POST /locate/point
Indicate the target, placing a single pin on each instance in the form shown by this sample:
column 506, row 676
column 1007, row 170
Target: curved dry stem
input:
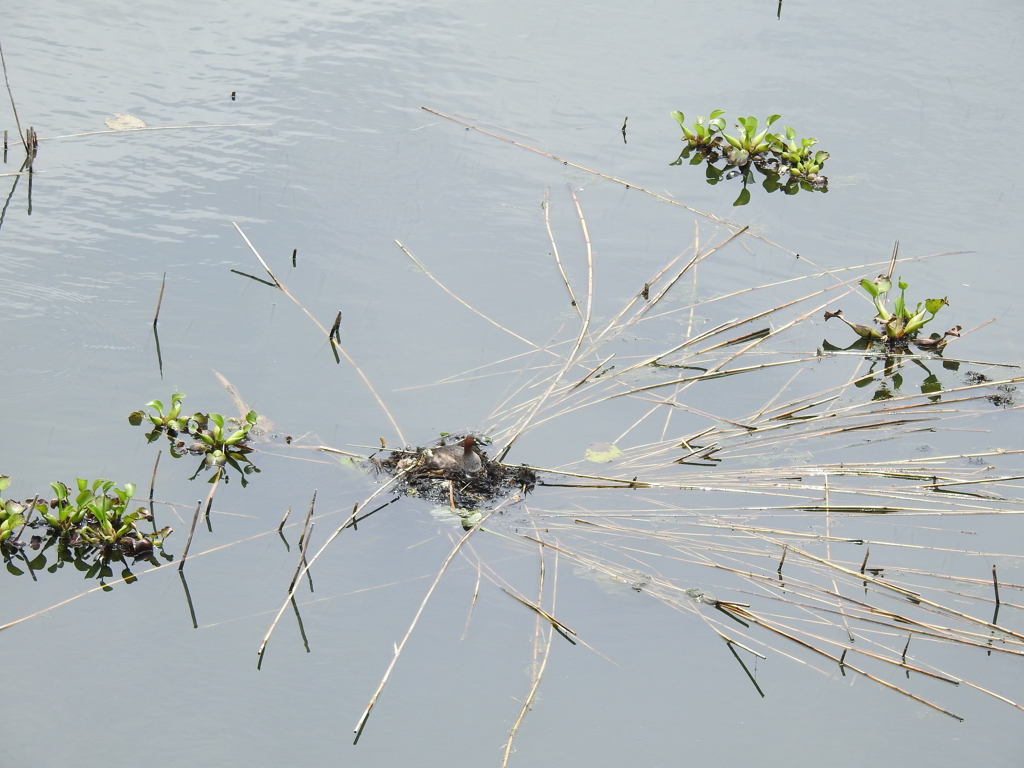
column 470, row 307
column 358, row 730
column 326, row 333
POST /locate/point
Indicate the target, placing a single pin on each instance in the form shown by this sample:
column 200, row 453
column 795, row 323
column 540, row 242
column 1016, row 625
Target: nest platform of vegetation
column 454, row 486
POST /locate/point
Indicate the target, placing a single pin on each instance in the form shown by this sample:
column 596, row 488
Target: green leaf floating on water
column 602, row 453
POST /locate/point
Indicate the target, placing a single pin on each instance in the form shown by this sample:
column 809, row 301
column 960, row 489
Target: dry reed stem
column 358, row 730
column 17, row 121
column 309, row 564
column 155, row 128
column 159, row 300
column 468, row 306
column 570, row 359
column 366, row 381
column 472, row 603
column 546, row 206
column 540, row 673
column 626, row 184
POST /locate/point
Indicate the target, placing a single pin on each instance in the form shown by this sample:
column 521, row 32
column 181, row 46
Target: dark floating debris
column 455, row 472
column 1005, row 399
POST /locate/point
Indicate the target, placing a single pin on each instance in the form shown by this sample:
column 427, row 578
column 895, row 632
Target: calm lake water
column 327, row 151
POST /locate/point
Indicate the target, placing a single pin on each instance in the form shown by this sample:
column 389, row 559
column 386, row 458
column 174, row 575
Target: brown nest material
column 456, row 472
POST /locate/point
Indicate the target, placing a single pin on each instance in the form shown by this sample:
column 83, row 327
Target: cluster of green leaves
column 901, row 324
column 11, row 513
column 772, row 155
column 221, row 442
column 90, row 529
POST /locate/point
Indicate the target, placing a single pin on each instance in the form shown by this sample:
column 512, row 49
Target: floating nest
column 456, row 472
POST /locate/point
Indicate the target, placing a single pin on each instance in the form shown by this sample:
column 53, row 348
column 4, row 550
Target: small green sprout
column 750, row 143
column 704, row 130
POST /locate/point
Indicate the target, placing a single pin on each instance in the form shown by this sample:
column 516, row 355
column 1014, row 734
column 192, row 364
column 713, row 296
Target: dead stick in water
column 468, row 306
column 159, row 300
column 285, row 518
column 546, row 205
column 578, row 167
column 191, row 530
column 341, row 349
column 398, row 649
column 570, row 359
column 152, row 487
column 7, row 82
column 536, row 681
column 309, row 564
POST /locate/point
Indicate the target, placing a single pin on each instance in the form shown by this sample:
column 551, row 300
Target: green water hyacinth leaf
column 870, row 287
column 743, row 199
column 934, row 305
column 5, row 481
column 681, row 118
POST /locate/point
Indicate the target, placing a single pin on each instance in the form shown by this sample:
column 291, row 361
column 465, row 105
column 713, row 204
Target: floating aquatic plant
column 774, row 156
column 220, row 441
column 90, row 529
column 901, row 325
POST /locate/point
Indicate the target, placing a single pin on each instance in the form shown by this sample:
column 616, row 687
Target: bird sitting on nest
column 464, row 456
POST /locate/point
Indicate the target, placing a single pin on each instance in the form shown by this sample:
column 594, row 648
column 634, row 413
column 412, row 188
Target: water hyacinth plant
column 901, row 325
column 774, row 156
column 220, row 441
column 90, row 529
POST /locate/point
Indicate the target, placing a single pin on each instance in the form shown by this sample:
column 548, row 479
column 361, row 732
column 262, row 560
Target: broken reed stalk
column 626, row 184
column 304, row 536
column 570, row 359
column 472, row 603
column 305, row 524
column 528, row 702
column 326, row 333
column 563, row 630
column 284, row 519
column 152, row 488
column 546, row 206
column 303, row 543
column 309, row 563
column 745, row 614
column 159, row 300
column 14, row 108
column 468, row 306
column 191, row 531
column 358, row 730
column 153, row 128
column 195, row 518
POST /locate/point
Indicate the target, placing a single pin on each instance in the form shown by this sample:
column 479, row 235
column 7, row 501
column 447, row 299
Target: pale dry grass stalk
column 326, row 333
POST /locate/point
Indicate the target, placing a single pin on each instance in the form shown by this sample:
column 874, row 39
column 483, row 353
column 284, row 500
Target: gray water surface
column 326, row 150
